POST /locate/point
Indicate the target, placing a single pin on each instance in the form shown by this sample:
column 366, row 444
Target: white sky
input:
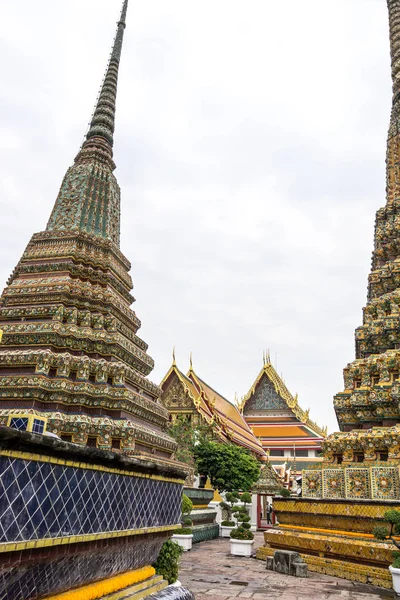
column 250, row 145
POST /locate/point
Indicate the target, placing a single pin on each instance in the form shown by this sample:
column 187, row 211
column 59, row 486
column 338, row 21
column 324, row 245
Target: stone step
column 139, row 590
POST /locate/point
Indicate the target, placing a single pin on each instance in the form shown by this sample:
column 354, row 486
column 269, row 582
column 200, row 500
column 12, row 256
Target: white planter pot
column 242, row 547
column 183, row 540
column 176, row 584
column 396, row 579
column 226, row 531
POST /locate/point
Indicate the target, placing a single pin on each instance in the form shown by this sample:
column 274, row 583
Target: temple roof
column 282, row 401
column 216, row 410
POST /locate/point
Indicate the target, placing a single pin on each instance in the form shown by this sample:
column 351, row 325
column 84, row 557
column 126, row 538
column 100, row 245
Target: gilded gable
column 265, row 397
column 175, row 396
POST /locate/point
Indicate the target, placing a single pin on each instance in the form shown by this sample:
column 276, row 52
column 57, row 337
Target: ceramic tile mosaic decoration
column 347, row 495
column 89, row 488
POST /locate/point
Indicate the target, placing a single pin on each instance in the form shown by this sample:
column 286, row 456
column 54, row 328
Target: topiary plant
column 228, row 507
column 167, row 563
column 382, row 533
column 284, row 492
column 187, row 505
column 242, row 531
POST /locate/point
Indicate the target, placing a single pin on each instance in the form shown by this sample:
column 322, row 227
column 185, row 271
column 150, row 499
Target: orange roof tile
column 228, row 415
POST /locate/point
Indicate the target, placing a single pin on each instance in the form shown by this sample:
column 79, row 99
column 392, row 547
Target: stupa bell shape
column 70, row 350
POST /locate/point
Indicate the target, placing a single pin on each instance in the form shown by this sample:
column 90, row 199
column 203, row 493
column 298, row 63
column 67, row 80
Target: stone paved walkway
column 211, row 573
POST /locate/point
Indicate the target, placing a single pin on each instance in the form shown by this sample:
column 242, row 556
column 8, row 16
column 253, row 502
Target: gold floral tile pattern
column 357, row 483
column 333, row 485
column 385, row 482
column 312, row 484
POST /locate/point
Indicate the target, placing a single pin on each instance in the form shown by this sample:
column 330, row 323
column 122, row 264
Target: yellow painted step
column 139, row 590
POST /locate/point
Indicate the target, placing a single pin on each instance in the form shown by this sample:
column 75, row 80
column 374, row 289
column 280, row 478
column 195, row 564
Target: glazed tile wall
column 44, row 500
column 52, row 575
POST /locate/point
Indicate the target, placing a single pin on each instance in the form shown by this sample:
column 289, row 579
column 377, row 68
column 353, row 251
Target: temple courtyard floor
column 209, row 572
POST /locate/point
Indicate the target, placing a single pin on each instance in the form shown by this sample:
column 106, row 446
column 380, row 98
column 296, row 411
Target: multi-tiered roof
column 190, row 397
column 70, row 348
column 274, row 415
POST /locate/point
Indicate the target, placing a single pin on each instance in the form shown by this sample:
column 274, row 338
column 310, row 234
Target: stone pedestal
column 202, row 515
column 288, row 563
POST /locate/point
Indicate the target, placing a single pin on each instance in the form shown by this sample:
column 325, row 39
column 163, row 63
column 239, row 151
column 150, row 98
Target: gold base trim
column 74, row 539
column 138, row 584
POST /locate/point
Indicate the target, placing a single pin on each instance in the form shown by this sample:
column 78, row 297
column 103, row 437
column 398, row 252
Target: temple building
column 358, row 480
column 71, row 360
column 285, row 431
column 189, row 397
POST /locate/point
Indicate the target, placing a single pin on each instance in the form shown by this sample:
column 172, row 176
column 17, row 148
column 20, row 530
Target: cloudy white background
column 250, row 146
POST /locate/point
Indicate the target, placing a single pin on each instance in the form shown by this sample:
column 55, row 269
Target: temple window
column 91, row 442
column 359, row 457
column 338, row 458
column 110, row 381
column 277, row 452
column 394, row 376
column 357, row 383
column 66, row 437
column 299, row 453
column 383, row 455
column 52, row 372
column 374, row 379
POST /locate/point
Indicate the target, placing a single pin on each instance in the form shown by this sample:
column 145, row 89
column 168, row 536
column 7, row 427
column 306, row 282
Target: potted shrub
column 184, row 535
column 381, row 533
column 167, row 563
column 228, row 524
column 242, row 539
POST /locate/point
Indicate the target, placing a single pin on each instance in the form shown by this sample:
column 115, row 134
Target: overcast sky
column 250, row 146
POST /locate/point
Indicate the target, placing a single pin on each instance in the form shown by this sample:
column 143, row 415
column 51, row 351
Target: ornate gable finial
column 191, row 362
column 173, row 357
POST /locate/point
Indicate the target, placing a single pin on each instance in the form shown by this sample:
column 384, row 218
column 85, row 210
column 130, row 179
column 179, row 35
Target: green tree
column 228, row 466
column 188, row 436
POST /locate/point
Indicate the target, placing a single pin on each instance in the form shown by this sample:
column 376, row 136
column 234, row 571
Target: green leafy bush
column 228, row 523
column 245, row 498
column 284, row 492
column 187, row 505
column 380, row 532
column 167, row 563
column 187, row 521
column 183, row 531
column 242, row 534
column 228, row 466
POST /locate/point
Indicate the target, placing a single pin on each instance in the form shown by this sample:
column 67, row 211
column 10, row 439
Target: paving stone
column 210, row 572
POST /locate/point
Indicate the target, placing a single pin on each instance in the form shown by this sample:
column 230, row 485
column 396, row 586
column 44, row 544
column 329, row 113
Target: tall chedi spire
column 372, row 383
column 89, row 198
column 70, row 352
